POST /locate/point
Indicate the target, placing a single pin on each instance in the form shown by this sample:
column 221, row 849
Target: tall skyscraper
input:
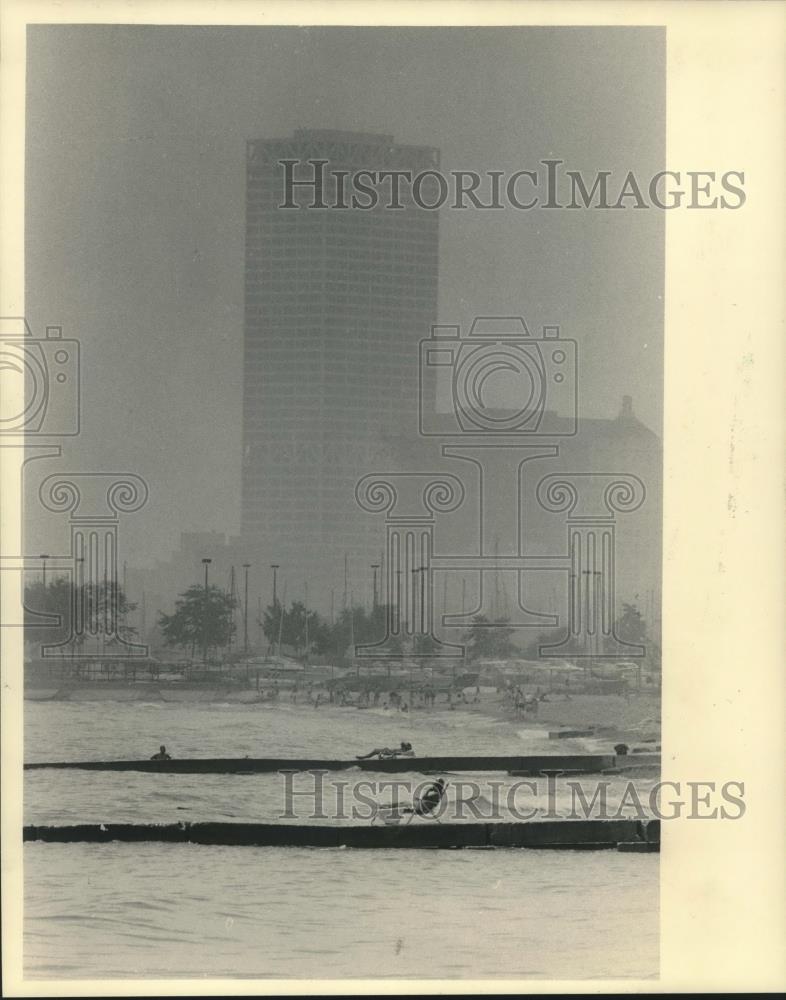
column 336, row 301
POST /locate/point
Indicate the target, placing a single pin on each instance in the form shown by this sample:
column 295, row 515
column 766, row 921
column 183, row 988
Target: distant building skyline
column 135, row 182
column 622, row 444
column 335, row 304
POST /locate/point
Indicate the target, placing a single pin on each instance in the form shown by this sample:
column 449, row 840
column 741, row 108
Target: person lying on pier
column 385, row 753
column 162, row 754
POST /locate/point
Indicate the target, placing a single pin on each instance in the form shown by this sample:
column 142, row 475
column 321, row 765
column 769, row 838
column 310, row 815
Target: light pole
column 205, row 563
column 305, row 657
column 463, row 614
column 246, row 567
column 422, row 570
column 43, row 557
column 275, row 567
column 375, row 567
column 77, row 604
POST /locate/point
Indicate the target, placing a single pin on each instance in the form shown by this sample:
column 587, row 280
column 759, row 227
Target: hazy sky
column 135, row 216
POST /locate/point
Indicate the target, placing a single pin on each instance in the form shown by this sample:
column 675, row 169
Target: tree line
column 48, row 610
column 207, row 619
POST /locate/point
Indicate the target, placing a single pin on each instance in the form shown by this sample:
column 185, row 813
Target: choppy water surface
column 162, row 910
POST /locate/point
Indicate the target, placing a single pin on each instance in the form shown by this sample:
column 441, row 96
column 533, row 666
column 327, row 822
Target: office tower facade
column 336, row 301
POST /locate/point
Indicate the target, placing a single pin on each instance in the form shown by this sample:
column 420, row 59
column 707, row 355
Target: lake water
column 163, row 910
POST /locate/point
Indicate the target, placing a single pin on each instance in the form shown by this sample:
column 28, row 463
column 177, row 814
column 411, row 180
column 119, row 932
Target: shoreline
column 610, row 717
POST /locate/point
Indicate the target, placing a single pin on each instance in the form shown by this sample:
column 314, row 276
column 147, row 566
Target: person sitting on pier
column 424, row 803
column 428, row 800
column 385, row 753
column 162, row 754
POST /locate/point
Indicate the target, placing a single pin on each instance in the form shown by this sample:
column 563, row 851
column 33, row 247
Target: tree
column 424, row 645
column 395, row 646
column 272, row 622
column 358, row 627
column 348, row 630
column 39, row 602
column 488, row 641
column 104, row 610
column 201, row 618
column 354, row 627
column 630, row 626
column 297, row 627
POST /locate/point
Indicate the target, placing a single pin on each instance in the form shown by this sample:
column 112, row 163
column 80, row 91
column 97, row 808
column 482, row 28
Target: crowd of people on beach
column 423, row 697
column 517, row 700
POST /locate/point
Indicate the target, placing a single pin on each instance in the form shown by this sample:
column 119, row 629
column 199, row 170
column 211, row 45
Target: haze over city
column 365, row 491
column 136, row 178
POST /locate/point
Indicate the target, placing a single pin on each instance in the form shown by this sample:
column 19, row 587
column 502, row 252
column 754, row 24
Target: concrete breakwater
column 518, row 765
column 587, row 834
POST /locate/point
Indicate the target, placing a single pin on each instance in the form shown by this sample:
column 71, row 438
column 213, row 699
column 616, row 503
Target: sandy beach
column 612, row 717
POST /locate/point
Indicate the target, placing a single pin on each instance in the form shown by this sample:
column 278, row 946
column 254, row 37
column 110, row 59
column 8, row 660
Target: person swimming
column 162, row 754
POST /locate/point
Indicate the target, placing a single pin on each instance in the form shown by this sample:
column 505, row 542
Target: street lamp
column 275, row 567
column 422, row 570
column 205, row 563
column 246, row 567
column 375, row 567
column 305, row 599
column 44, row 556
column 77, row 605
